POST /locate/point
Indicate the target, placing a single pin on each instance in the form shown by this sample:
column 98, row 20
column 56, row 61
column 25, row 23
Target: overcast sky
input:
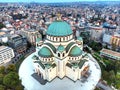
column 51, row 0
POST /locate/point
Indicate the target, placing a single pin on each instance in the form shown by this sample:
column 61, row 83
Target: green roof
column 51, row 46
column 53, row 65
column 39, row 62
column 69, row 65
column 48, row 65
column 35, row 57
column 81, row 63
column 45, row 52
column 38, row 39
column 59, row 28
column 60, row 48
column 69, row 46
column 75, row 51
column 79, row 38
column 75, row 65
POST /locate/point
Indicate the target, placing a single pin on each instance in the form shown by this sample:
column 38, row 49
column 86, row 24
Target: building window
column 58, row 54
column 60, row 39
column 56, row 39
column 63, row 54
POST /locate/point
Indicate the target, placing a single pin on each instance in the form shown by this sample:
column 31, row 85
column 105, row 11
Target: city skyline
column 52, row 1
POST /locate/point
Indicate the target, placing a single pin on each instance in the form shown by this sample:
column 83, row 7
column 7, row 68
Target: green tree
column 105, row 75
column 112, row 76
column 2, row 69
column 19, row 87
column 1, row 78
column 117, row 82
column 11, row 80
column 11, row 68
column 2, row 87
column 117, row 66
column 2, row 25
column 86, row 37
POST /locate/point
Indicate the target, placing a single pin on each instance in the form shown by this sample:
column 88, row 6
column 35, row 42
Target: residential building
column 6, row 54
column 96, row 33
column 18, row 43
column 31, row 35
column 110, row 54
column 115, row 40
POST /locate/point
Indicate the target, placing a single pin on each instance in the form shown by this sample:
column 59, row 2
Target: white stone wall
column 56, row 44
column 51, row 74
column 72, row 73
column 40, row 70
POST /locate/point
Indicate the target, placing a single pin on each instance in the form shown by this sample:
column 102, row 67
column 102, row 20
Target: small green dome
column 60, row 48
column 59, row 28
column 79, row 38
column 45, row 52
column 75, row 51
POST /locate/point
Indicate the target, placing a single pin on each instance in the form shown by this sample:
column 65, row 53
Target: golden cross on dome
column 59, row 16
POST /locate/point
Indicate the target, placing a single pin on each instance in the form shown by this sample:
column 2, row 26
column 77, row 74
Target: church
column 60, row 54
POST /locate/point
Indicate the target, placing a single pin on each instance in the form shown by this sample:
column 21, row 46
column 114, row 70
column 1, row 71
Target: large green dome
column 75, row 51
column 59, row 28
column 45, row 52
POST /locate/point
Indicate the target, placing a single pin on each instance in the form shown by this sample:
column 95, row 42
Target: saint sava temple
column 60, row 55
column 59, row 62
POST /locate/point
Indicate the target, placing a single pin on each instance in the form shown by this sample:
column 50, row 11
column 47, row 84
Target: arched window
column 56, row 39
column 60, row 39
column 63, row 55
column 66, row 38
column 58, row 54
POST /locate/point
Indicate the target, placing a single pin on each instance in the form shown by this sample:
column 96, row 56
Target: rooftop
column 59, row 28
column 110, row 52
column 60, row 48
column 45, row 52
column 2, row 33
column 2, row 47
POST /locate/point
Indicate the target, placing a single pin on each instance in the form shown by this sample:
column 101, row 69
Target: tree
column 105, row 75
column 112, row 76
column 2, row 69
column 117, row 66
column 19, row 87
column 11, row 68
column 2, row 25
column 11, row 80
column 86, row 36
column 1, row 79
column 2, row 87
column 117, row 82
